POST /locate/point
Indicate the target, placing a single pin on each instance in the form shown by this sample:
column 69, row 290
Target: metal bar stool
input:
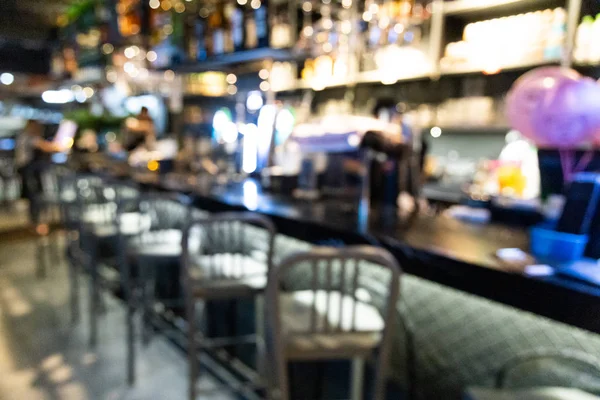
column 158, row 243
column 103, row 233
column 46, row 199
column 325, row 305
column 79, row 199
column 104, row 228
column 224, row 256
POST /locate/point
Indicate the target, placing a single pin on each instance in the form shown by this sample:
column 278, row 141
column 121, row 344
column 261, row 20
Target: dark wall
column 24, row 56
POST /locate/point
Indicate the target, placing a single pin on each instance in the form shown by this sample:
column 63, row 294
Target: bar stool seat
column 131, row 224
column 296, row 310
column 162, row 243
column 227, row 275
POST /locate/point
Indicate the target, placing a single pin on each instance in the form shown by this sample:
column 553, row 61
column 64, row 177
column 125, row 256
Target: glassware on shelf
column 128, row 15
column 393, row 39
column 493, row 44
column 587, row 47
column 281, row 28
column 328, row 41
column 282, row 76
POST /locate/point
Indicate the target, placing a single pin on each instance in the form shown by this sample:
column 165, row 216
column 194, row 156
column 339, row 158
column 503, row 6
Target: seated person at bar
column 391, row 176
column 140, row 131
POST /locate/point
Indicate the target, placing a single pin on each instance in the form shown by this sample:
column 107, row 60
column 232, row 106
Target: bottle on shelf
column 216, row 27
column 583, row 41
column 261, row 17
column 197, row 45
column 228, row 11
column 496, row 43
column 595, row 44
column 556, row 38
column 251, row 38
column 281, row 30
column 237, row 26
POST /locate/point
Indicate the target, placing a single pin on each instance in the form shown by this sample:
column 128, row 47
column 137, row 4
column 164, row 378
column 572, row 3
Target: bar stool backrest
column 337, row 278
column 51, row 181
column 166, row 210
column 79, row 192
column 244, row 237
column 328, row 285
column 120, row 198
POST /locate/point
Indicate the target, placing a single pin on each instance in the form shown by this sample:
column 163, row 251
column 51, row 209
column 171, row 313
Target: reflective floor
column 14, row 215
column 42, row 356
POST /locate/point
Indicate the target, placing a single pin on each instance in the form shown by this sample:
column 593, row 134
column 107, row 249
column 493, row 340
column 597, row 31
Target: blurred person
column 31, row 156
column 140, row 131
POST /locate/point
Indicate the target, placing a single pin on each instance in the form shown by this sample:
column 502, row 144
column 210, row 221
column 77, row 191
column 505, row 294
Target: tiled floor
column 14, row 216
column 44, row 357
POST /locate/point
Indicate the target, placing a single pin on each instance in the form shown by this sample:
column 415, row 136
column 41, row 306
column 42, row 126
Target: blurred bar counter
column 453, row 253
column 463, row 313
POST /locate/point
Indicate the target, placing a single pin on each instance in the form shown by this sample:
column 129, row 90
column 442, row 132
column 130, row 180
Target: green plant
column 99, row 123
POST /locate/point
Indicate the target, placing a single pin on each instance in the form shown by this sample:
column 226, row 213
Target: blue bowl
column 554, row 246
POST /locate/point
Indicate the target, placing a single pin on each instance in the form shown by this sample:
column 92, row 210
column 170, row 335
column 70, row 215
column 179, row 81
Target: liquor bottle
column 261, row 18
column 281, row 32
column 236, row 24
column 216, row 26
column 201, row 34
column 228, row 10
column 414, row 34
column 251, row 39
column 555, row 40
column 191, row 41
column 584, row 39
column 594, row 51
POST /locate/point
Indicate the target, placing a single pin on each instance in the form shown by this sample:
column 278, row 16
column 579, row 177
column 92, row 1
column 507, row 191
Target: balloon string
column 564, row 162
column 585, row 160
column 570, row 164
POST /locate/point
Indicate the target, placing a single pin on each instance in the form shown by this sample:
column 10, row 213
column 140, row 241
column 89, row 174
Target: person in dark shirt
column 31, row 157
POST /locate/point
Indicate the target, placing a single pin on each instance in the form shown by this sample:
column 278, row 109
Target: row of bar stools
column 318, row 307
column 322, row 312
column 104, row 213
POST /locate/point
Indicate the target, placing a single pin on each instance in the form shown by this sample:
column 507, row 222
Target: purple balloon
column 569, row 115
column 528, row 92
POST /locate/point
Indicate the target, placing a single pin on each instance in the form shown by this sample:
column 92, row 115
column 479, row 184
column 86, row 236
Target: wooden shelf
column 505, row 68
column 481, row 7
column 374, row 77
column 469, row 129
column 240, row 57
column 363, row 78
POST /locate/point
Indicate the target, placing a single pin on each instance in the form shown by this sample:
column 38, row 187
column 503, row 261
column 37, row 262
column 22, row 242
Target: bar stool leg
column 41, row 259
column 54, row 248
column 358, row 376
column 259, row 321
column 192, row 347
column 94, row 294
column 130, row 341
column 148, row 284
column 126, row 281
column 74, row 278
